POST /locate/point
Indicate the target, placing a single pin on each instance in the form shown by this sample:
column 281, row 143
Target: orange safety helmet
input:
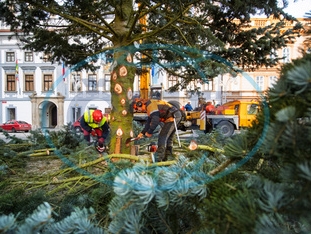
column 97, row 116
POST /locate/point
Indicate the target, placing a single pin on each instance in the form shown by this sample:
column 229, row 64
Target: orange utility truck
column 232, row 116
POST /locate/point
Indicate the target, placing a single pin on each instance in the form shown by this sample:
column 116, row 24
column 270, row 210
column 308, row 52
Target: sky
column 298, row 8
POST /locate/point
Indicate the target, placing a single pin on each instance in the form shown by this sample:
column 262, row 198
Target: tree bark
column 122, row 79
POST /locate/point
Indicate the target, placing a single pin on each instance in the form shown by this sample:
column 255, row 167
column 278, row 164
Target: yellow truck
column 227, row 118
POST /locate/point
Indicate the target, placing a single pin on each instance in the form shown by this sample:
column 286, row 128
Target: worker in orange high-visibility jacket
column 95, row 120
column 161, row 111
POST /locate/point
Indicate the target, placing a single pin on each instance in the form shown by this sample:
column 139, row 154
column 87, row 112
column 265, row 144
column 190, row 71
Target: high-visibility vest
column 88, row 118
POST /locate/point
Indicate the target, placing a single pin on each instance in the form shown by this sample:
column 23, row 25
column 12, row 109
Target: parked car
column 15, row 126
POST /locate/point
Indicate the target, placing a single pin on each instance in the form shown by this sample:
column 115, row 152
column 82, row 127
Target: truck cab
column 245, row 110
column 232, row 116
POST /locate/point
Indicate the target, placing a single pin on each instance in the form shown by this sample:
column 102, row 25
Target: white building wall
column 22, row 110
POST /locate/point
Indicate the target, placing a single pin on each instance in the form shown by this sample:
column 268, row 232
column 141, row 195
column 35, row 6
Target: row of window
column 10, row 56
column 209, row 86
column 28, row 57
column 173, row 80
column 260, row 82
column 12, row 81
column 285, row 54
column 76, row 85
column 92, row 79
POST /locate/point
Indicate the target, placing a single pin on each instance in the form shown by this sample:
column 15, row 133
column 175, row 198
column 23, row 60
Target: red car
column 15, row 126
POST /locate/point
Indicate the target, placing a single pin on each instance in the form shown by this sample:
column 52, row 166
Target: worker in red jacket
column 160, row 111
column 210, row 108
column 94, row 120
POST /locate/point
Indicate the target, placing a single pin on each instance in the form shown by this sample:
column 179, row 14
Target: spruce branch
column 221, row 167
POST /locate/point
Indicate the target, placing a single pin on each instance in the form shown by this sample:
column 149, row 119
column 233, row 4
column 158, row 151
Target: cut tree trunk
column 122, row 79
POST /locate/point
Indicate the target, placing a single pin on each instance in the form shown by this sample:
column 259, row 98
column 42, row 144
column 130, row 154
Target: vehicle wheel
column 26, row 131
column 13, row 130
column 225, row 128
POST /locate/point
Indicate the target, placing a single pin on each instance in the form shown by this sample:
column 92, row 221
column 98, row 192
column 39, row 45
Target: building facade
column 44, row 94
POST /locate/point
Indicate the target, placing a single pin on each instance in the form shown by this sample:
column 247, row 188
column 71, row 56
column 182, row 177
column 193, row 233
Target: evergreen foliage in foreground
column 240, row 190
column 41, row 221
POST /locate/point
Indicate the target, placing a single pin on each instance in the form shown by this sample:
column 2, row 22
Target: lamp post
column 225, row 91
column 76, row 91
column 221, row 88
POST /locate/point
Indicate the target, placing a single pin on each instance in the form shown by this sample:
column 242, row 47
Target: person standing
column 161, row 111
column 94, row 120
column 188, row 107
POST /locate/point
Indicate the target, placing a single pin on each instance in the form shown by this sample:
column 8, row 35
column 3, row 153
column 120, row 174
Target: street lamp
column 225, row 90
column 75, row 87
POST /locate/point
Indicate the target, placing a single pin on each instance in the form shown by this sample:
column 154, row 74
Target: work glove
column 100, row 149
column 140, row 135
column 148, row 135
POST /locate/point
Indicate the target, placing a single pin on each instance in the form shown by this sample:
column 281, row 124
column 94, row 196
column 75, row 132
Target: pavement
column 20, row 135
column 188, row 133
